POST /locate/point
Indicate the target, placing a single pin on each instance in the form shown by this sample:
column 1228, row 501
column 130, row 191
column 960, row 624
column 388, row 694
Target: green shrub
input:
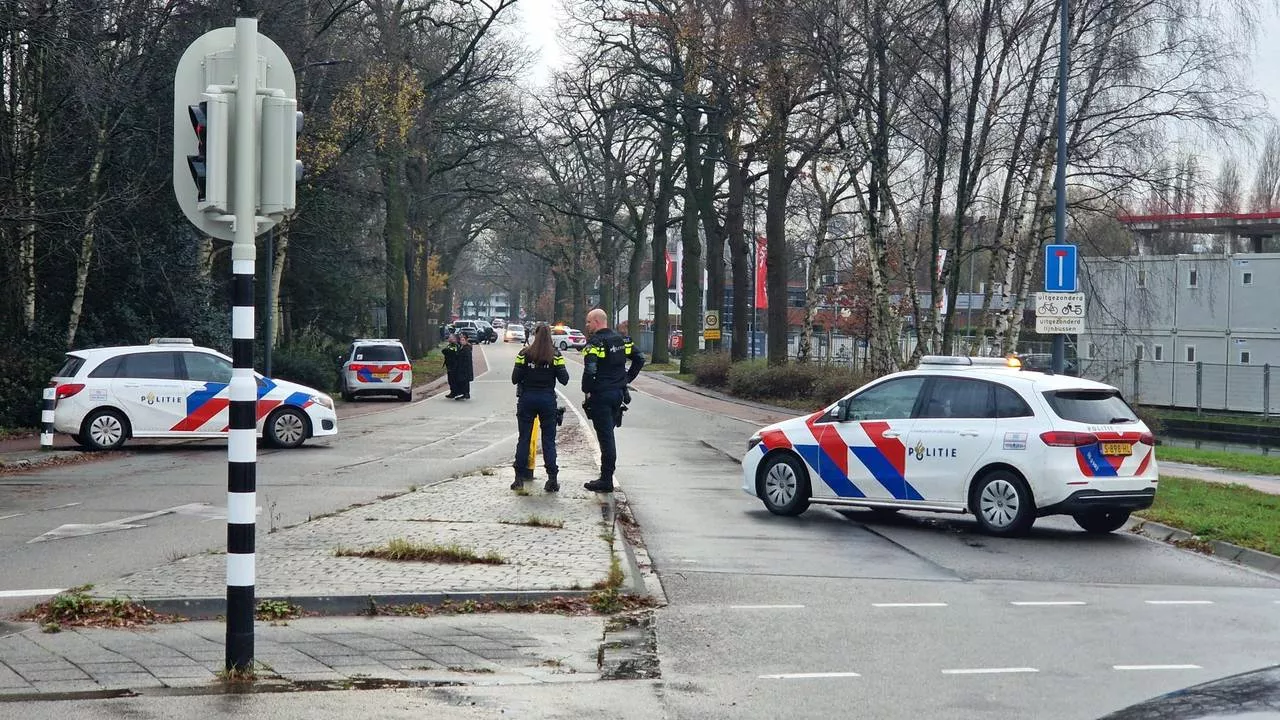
column 834, row 382
column 711, row 369
column 812, row 382
column 309, row 360
column 29, row 360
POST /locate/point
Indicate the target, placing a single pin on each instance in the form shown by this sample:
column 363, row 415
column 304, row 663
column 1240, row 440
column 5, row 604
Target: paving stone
column 126, row 680
column 179, row 671
column 63, row 686
column 42, row 676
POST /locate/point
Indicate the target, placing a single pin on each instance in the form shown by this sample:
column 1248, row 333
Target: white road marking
column 809, row 676
column 988, row 671
column 1047, row 603
column 766, row 607
column 29, row 593
column 6, row 517
column 71, row 530
column 909, row 605
column 59, row 507
column 1156, row 667
column 1178, row 602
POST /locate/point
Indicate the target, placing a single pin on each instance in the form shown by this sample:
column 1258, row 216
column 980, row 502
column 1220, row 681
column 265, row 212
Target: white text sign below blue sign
column 1059, row 313
column 1060, row 269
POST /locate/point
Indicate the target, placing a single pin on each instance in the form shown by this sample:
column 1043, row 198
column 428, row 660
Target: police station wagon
column 172, row 389
column 964, row 435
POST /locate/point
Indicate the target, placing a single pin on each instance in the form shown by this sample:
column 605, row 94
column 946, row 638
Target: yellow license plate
column 1116, row 448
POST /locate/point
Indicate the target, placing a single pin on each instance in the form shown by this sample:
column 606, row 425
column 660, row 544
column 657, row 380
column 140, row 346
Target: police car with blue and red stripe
column 964, row 435
column 174, row 389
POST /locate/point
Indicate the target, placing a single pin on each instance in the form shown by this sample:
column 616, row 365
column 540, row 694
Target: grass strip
column 428, row 367
column 1241, row 462
column 405, row 551
column 1231, row 513
column 536, row 521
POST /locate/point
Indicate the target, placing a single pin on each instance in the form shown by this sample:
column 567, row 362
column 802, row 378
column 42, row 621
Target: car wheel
column 407, row 396
column 784, row 485
column 564, row 346
column 1101, row 521
column 104, row 430
column 1003, row 504
column 286, row 428
column 80, row 440
column 347, row 395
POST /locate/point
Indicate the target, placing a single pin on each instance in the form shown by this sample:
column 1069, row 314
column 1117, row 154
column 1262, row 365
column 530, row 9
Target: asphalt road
column 838, row 614
column 177, row 492
column 832, row 614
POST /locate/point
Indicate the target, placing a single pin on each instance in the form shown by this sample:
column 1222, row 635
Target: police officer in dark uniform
column 538, row 368
column 450, row 353
column 610, row 361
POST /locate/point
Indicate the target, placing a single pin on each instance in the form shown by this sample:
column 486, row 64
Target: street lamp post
column 1060, row 216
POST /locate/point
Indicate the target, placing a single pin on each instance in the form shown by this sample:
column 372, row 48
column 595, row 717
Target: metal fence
column 1198, row 385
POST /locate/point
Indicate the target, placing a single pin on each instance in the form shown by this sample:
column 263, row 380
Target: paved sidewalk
column 478, row 512
column 470, row 649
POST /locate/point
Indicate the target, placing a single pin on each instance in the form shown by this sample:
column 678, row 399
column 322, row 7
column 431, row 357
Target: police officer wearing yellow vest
column 610, row 361
column 538, row 368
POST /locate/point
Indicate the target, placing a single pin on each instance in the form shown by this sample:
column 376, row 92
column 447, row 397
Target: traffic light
column 211, row 121
column 281, row 169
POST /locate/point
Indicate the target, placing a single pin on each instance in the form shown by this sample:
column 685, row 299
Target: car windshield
column 379, row 353
column 516, row 327
column 1097, row 407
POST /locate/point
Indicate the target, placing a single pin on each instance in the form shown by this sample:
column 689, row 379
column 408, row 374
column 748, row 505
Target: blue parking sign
column 1060, row 269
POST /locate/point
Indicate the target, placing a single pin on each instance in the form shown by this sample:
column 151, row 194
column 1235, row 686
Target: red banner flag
column 762, row 291
column 671, row 268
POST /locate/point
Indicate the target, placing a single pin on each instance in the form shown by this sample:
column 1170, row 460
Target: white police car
column 975, row 435
column 172, row 389
column 376, row 367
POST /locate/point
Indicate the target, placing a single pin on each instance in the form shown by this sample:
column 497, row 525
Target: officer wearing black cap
column 610, row 361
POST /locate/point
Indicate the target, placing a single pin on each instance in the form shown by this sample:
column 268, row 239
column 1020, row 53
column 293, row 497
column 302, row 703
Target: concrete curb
column 1248, row 557
column 212, row 608
column 715, row 395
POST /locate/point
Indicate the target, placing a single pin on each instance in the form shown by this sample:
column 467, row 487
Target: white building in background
column 648, row 307
column 496, row 305
column 1217, row 316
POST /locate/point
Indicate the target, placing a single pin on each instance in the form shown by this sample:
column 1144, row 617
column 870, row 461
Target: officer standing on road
column 450, row 354
column 465, row 368
column 610, row 361
column 538, row 368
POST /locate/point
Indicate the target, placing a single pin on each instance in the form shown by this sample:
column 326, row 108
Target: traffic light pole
column 242, row 445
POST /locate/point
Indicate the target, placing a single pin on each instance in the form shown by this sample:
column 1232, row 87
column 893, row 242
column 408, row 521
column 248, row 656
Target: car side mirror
column 842, row 409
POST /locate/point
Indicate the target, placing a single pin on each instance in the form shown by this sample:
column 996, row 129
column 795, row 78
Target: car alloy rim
column 780, row 484
column 999, row 503
column 289, row 428
column 105, row 430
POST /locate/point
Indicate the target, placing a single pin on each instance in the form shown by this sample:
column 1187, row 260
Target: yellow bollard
column 533, row 445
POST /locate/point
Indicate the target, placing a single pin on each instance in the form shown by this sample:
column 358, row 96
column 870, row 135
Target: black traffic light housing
column 198, row 163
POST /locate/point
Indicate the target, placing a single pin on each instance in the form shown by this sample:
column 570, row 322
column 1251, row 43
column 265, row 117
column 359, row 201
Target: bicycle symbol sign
column 1059, row 305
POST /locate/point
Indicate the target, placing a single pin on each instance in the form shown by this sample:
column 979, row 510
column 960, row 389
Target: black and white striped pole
column 242, row 442
column 48, row 398
column 245, row 121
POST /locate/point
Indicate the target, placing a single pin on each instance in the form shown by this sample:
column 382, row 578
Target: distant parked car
column 1248, row 696
column 469, row 328
column 499, row 323
column 172, row 388
column 376, row 367
column 1043, row 362
column 514, row 333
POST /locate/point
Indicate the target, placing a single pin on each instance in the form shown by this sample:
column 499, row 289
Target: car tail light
column 1147, row 438
column 66, row 391
column 1064, row 438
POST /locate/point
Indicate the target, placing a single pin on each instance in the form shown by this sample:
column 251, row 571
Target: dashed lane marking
column 1156, row 667
column 1047, row 603
column 988, row 671
column 14, row 515
column 909, row 605
column 809, row 676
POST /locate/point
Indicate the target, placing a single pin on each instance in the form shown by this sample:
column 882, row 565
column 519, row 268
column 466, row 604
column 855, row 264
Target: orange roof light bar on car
column 965, row 361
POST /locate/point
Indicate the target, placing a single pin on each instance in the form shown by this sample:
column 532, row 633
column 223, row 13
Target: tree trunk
column 738, row 253
column 634, row 280
column 713, row 231
column 691, row 261
column 281, row 250
column 661, row 219
column 776, row 255
column 393, row 234
column 87, row 238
